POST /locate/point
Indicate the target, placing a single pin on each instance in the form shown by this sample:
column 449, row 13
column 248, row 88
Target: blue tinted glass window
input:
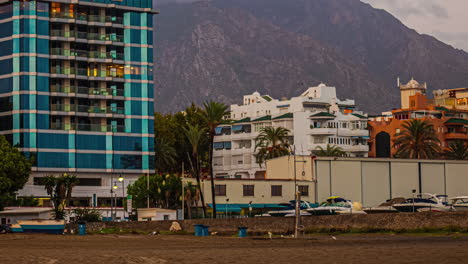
column 6, row 48
column 93, row 142
column 6, row 66
column 52, row 160
column 92, row 161
column 52, row 141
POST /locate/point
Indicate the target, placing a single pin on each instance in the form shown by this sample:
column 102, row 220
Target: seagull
column 214, row 233
column 334, row 238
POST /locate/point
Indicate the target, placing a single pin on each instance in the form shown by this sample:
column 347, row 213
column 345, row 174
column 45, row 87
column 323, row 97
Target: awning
column 239, row 207
column 236, row 128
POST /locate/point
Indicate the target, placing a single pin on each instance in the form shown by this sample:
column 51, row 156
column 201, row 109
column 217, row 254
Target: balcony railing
column 86, row 72
column 85, row 17
column 87, row 109
column 87, row 127
column 86, row 35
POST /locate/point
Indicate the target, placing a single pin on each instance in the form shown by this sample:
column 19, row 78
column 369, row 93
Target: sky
column 444, row 19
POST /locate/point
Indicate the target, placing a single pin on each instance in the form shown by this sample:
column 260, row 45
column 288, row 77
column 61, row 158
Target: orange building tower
column 450, row 124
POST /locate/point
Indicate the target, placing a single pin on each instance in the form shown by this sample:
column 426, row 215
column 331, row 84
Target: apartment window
column 304, row 190
column 276, row 190
column 220, row 190
column 248, row 190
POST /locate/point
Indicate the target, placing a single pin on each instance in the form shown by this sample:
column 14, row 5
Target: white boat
column 460, row 203
column 424, row 202
column 290, row 209
column 385, row 208
column 42, row 226
column 336, row 205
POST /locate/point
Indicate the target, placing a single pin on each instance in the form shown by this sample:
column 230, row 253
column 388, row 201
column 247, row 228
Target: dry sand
column 49, row 249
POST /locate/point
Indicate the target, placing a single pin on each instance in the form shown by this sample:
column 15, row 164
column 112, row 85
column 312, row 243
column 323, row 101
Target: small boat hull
column 15, row 228
column 43, row 226
column 461, row 208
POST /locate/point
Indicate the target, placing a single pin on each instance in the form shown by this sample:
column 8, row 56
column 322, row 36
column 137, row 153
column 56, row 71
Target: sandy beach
column 375, row 248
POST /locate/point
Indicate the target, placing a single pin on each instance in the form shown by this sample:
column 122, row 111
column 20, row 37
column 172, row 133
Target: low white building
column 315, row 118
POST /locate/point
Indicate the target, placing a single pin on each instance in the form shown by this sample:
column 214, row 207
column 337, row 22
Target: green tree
column 60, row 191
column 14, row 171
column 196, row 136
column 457, row 151
column 271, row 143
column 165, row 155
column 330, row 151
column 213, row 115
column 417, row 140
column 164, row 191
column 191, row 197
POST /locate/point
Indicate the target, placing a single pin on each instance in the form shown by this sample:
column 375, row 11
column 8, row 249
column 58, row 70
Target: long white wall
column 372, row 181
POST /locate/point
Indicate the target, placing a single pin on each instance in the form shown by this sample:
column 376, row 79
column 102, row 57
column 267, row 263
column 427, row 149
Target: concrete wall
column 372, row 181
column 395, row 222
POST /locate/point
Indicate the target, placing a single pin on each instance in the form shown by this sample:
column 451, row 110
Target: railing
column 87, row 127
column 100, row 91
column 89, row 18
column 62, row 89
column 62, row 70
column 63, row 107
column 65, row 15
column 62, row 33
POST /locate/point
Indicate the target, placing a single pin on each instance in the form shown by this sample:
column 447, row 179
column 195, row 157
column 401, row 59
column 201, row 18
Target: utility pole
column 296, row 197
column 147, row 190
column 111, row 197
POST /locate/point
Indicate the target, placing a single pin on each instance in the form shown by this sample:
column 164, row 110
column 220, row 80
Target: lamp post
column 121, row 179
column 115, row 187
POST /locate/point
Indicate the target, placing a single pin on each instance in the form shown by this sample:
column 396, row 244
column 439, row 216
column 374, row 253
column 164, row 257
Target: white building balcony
column 343, row 132
column 241, row 151
column 221, row 152
column 355, row 148
column 222, row 138
column 241, row 136
column 322, row 131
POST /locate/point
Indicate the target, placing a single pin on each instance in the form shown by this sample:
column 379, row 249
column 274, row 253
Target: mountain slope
column 223, row 49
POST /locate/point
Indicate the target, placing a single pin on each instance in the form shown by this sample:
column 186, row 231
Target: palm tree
column 213, row 116
column 60, row 189
column 330, row 151
column 196, row 136
column 271, row 143
column 191, row 196
column 418, row 140
column 457, row 151
column 165, row 154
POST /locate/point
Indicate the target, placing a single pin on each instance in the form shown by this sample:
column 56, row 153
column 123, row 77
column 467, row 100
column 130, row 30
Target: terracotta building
column 448, row 113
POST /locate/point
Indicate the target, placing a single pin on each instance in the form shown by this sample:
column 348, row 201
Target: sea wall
column 389, row 222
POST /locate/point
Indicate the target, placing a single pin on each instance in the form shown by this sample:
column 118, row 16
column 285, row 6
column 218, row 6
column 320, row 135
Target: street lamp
column 115, row 187
column 121, row 179
column 227, row 200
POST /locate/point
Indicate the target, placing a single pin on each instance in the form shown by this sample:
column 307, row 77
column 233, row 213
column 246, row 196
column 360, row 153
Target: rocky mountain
column 223, row 49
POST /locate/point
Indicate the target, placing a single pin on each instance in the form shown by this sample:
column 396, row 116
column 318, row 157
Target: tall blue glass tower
column 76, row 90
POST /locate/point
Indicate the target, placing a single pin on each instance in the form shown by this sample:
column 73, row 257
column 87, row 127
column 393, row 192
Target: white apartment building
column 315, row 118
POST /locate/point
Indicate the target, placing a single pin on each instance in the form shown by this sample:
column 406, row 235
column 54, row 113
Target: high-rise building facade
column 76, row 89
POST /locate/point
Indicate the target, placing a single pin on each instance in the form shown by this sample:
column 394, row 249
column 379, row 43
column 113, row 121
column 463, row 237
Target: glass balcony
column 62, row 52
column 62, row 89
column 87, row 127
column 62, row 70
column 63, row 107
column 62, row 126
column 65, row 15
column 62, row 33
column 116, row 110
column 101, row 91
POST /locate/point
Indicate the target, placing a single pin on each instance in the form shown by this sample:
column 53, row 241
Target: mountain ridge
column 224, row 49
